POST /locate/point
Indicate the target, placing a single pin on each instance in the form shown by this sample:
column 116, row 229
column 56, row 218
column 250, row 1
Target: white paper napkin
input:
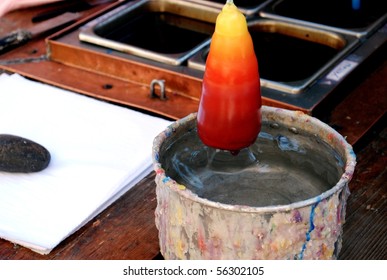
column 98, row 152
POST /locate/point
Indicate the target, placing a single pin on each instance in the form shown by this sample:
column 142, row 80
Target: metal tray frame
column 182, row 83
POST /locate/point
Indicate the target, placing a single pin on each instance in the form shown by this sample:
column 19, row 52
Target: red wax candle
column 229, row 115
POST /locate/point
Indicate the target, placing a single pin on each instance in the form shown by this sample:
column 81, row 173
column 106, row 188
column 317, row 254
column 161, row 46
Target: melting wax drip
column 229, row 116
column 311, row 228
column 222, row 161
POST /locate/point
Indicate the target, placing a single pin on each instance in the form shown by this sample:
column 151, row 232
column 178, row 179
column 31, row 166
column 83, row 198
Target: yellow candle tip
column 230, row 21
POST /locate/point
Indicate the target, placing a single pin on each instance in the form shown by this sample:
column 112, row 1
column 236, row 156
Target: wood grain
column 365, row 230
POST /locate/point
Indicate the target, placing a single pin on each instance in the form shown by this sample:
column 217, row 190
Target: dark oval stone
column 18, row 154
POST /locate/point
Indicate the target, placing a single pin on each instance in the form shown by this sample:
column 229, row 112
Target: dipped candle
column 229, row 115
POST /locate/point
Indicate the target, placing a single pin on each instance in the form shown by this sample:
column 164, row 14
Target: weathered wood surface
column 365, row 230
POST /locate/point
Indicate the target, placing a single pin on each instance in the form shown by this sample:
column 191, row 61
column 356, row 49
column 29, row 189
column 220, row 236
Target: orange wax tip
column 230, row 21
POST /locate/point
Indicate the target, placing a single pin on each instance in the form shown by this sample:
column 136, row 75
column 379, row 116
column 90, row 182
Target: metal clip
column 161, row 84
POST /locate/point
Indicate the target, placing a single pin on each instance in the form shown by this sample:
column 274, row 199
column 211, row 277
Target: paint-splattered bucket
column 194, row 227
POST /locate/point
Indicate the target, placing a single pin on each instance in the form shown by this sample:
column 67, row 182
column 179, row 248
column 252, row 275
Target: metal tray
column 355, row 17
column 167, row 31
column 290, row 56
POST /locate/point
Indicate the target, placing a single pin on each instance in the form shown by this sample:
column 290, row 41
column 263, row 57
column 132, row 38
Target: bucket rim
column 282, row 116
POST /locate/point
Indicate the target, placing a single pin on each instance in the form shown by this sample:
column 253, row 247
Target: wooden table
column 126, row 229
